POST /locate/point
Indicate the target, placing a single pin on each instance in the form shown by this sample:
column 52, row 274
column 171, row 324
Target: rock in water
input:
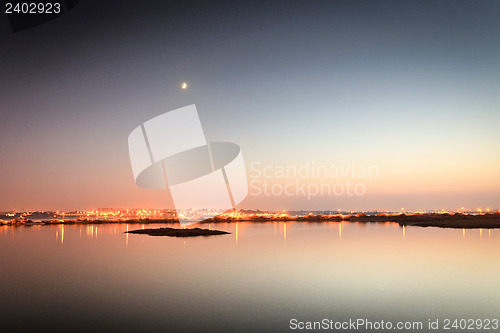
column 174, row 232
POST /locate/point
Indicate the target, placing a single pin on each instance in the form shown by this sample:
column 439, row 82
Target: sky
column 407, row 88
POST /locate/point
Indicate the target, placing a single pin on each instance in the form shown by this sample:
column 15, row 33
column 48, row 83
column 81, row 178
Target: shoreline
column 446, row 220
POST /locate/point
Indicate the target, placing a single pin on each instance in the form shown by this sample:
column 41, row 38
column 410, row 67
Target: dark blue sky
column 411, row 87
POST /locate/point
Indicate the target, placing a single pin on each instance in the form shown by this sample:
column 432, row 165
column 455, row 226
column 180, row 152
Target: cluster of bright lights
column 119, row 213
column 197, row 214
column 202, row 214
column 238, row 215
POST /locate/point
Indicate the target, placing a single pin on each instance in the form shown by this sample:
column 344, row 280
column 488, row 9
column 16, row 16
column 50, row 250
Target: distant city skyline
column 410, row 88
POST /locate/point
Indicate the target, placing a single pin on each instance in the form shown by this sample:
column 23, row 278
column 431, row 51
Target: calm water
column 83, row 278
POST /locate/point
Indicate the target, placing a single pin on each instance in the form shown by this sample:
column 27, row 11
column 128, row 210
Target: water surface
column 95, row 277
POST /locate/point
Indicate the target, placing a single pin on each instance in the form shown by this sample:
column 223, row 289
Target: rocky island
column 175, row 232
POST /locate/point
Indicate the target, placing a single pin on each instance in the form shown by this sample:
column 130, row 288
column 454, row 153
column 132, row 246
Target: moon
column 184, row 85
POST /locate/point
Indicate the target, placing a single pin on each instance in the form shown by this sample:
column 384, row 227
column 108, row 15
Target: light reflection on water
column 257, row 278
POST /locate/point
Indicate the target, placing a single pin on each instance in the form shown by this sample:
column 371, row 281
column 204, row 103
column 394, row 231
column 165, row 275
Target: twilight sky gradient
column 411, row 87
